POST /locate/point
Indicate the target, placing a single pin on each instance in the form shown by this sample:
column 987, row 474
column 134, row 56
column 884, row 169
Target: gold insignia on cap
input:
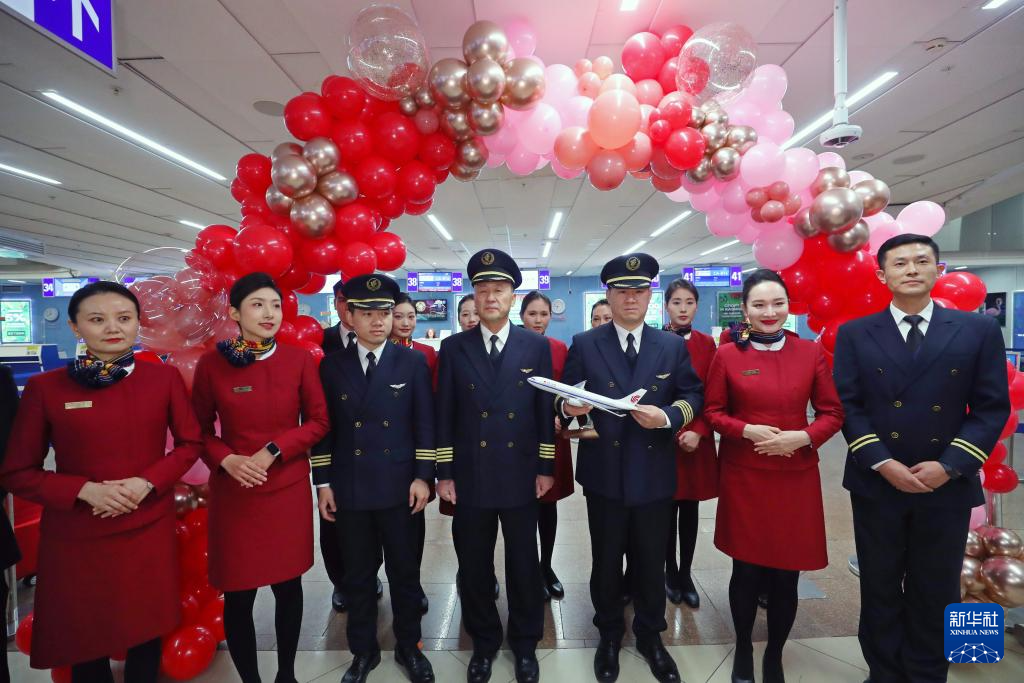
column 487, row 258
column 373, row 284
column 632, row 263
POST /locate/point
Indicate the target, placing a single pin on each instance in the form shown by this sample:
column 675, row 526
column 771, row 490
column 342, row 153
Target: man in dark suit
column 907, row 377
column 372, row 472
column 340, row 336
column 495, row 458
column 9, row 553
column 628, row 473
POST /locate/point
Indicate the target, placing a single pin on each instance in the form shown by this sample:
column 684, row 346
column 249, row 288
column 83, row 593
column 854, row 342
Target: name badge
column 747, row 373
column 75, row 405
column 241, row 390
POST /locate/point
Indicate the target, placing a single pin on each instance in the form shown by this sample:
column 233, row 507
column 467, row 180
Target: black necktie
column 351, row 338
column 371, row 365
column 915, row 337
column 495, row 355
column 631, row 349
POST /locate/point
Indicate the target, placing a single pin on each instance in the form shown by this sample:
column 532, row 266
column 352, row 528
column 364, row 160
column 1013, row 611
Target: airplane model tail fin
column 635, row 397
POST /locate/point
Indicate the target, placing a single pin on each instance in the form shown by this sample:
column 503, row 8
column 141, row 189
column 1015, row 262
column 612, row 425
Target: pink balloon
column 645, row 118
column 614, row 119
column 619, row 82
column 522, row 161
column 563, row 172
column 426, row 121
column 575, row 111
column 589, row 85
column 649, row 91
column 679, row 196
column 695, row 188
column 978, row 517
column 762, row 164
column 538, row 132
column 706, row 202
column 800, row 169
column 883, row 227
column 776, row 126
column 744, row 113
column 831, row 159
column 734, row 199
column 606, row 170
column 778, row 249
column 574, row 148
column 521, row 36
column 858, row 176
column 749, row 232
column 923, row 218
column 636, row 153
column 721, row 223
column 768, row 85
column 559, row 85
column 502, row 142
column 495, row 160
column 603, row 66
column 199, row 473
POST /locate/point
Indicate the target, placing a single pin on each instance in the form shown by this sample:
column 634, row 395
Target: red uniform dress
column 263, row 535
column 104, row 585
column 564, row 484
column 769, row 507
column 697, row 472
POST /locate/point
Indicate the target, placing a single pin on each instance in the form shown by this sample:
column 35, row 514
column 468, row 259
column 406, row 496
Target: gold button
column 650, row 448
column 472, row 386
column 358, row 452
column 358, row 425
column 511, row 416
column 935, row 440
column 520, row 382
column 344, row 397
column 879, row 370
column 936, row 409
column 654, row 387
column 895, row 435
column 483, row 414
column 386, row 423
column 511, row 444
column 897, row 404
column 396, row 394
column 483, row 444
column 616, row 444
column 387, row 451
column 611, row 385
column 954, row 371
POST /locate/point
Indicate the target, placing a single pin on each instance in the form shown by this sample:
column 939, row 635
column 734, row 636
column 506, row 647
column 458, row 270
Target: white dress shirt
column 904, row 326
column 638, row 333
column 344, row 332
column 502, row 336
column 362, row 351
column 774, row 346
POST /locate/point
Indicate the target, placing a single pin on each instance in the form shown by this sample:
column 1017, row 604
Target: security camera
column 840, row 135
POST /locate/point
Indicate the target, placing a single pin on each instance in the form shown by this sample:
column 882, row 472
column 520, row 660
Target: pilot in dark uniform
column 495, row 457
column 372, row 472
column 628, row 474
column 340, row 336
column 907, row 377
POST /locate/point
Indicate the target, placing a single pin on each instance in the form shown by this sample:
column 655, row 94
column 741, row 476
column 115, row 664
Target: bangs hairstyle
column 760, row 276
column 678, row 284
column 101, row 287
column 403, row 298
column 247, row 284
column 468, row 297
column 903, row 240
column 599, row 302
column 530, row 298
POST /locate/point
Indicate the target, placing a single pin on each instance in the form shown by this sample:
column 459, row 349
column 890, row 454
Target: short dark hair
column 530, row 298
column 468, row 297
column 338, row 286
column 681, row 284
column 100, row 287
column 903, row 240
column 599, row 302
column 247, row 284
column 759, row 276
column 403, row 298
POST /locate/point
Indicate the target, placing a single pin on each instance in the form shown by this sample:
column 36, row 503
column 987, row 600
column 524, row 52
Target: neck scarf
column 398, row 341
column 240, row 352
column 681, row 331
column 96, row 374
column 743, row 334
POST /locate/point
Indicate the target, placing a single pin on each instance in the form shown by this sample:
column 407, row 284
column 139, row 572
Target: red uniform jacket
column 697, row 472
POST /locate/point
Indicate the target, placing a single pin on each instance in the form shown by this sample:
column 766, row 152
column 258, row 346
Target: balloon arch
column 693, row 114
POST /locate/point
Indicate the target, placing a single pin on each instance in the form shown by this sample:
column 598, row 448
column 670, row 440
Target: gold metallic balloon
column 875, row 194
column 485, row 81
column 460, row 172
column 446, row 80
column 701, row 171
column 829, row 178
column 524, row 84
column 455, row 124
column 725, row 162
column 486, row 119
column 802, row 223
column 714, row 135
column 975, row 546
column 407, row 105
column 970, row 577
column 313, row 216
column 293, row 175
column 286, row 149
column 836, row 210
column 323, row 154
column 423, row 98
column 696, row 116
column 716, row 116
column 484, row 40
column 741, row 138
column 999, row 541
column 278, row 202
column 1004, row 580
column 852, row 239
column 338, row 187
column 472, row 154
column 184, row 499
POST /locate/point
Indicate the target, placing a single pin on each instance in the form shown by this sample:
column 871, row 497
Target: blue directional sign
column 84, row 26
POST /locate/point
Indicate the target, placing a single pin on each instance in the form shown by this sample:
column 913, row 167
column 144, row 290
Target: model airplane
column 579, row 397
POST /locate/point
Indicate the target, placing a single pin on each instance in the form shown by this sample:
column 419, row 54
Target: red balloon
column 287, row 334
column 677, row 112
column 314, row 349
column 393, row 205
column 660, row 130
column 816, row 325
column 239, row 191
column 306, row 116
column 357, row 258
column 187, row 652
column 293, row 278
column 798, row 307
column 148, row 357
column 1001, row 479
column 684, row 148
column 261, row 248
column 1011, row 372
column 661, row 167
column 414, row 209
column 441, row 175
column 997, row 456
column 396, row 138
column 320, row 256
column 343, row 97
column 289, row 305
column 307, row 329
column 384, row 223
column 826, row 306
column 1010, row 427
column 23, row 636
column 437, row 151
column 376, row 107
column 965, row 290
column 390, row 250
column 667, row 184
column 254, row 172
column 354, row 140
column 667, row 75
column 195, row 561
column 673, row 39
column 1017, row 393
column 945, row 303
column 256, row 207
column 829, row 332
column 800, row 279
column 642, row 56
column 416, row 182
column 189, row 609
column 696, row 74
column 354, row 222
column 315, row 284
column 376, row 177
column 211, row 617
column 182, row 532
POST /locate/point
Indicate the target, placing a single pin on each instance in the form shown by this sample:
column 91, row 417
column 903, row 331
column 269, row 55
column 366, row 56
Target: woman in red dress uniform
column 108, row 560
column 770, row 516
column 696, row 459
column 535, row 313
column 271, row 407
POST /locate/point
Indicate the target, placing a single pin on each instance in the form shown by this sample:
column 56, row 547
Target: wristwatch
column 273, row 449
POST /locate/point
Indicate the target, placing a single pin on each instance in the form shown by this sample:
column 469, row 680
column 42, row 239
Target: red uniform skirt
column 258, row 538
column 697, row 472
column 772, row 518
column 99, row 596
column 564, row 484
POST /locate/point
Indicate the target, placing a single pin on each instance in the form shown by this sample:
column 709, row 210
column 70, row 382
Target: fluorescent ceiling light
column 133, row 136
column 555, row 222
column 568, row 272
column 675, row 221
column 960, row 268
column 635, row 247
column 818, row 123
column 28, row 174
column 994, row 4
column 192, row 224
column 629, row 5
column 547, row 249
column 720, row 246
column 749, row 270
column 19, row 282
column 440, row 228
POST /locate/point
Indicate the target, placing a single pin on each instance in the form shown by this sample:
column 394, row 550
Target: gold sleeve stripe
column 686, row 409
column 322, row 464
column 854, row 444
column 971, row 449
column 861, row 443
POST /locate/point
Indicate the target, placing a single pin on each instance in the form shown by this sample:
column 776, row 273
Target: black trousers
column 141, row 666
column 677, row 574
column 363, row 535
column 639, row 531
column 910, row 561
column 331, row 551
column 5, row 673
column 476, row 532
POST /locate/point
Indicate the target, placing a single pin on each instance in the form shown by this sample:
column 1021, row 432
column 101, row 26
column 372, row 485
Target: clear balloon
column 387, row 52
column 717, row 62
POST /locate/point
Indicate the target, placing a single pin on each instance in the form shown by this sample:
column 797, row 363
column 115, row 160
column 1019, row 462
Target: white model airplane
column 579, row 397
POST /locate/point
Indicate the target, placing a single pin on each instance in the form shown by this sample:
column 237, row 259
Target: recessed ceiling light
column 994, row 4
column 671, row 223
column 720, row 246
column 132, row 136
column 555, row 222
column 568, row 272
column 440, row 228
column 908, row 159
column 818, row 123
column 960, row 268
column 629, row 5
column 547, row 249
column 269, row 108
column 192, row 224
column 749, row 270
column 635, row 247
column 863, row 157
column 28, row 174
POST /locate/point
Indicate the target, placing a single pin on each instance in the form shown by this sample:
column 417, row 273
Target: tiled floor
column 823, row 649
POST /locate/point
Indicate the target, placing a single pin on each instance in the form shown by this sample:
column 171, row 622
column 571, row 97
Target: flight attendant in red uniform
column 261, row 513
column 535, row 313
column 770, row 515
column 108, row 558
column 696, row 459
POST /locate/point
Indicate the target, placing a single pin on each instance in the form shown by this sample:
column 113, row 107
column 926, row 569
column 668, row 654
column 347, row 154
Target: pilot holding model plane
column 647, row 390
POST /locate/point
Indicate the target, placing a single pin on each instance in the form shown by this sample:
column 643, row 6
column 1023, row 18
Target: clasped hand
column 116, row 497
column 770, row 440
column 249, row 471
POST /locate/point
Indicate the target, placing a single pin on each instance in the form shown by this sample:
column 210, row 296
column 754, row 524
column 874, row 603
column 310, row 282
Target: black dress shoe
column 338, row 601
column 554, row 587
column 527, row 669
column 424, row 605
column 479, row 668
column 416, row 665
column 771, row 671
column 674, row 595
column 606, row 661
column 663, row 667
column 690, row 595
column 380, row 589
column 360, row 668
column 743, row 667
